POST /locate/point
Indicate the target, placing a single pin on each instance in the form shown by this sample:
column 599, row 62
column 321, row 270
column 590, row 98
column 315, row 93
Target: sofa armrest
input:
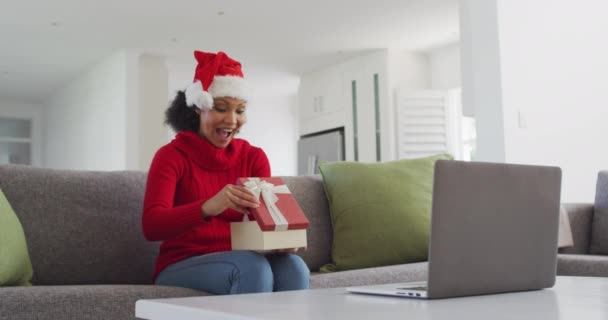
column 599, row 236
column 580, row 216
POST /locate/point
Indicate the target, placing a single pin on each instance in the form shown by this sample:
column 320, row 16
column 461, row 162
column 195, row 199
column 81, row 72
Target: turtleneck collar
column 205, row 154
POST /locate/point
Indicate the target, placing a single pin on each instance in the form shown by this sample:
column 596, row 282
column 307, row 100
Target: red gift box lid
column 283, row 214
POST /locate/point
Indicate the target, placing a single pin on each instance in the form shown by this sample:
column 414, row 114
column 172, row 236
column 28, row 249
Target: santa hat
column 216, row 75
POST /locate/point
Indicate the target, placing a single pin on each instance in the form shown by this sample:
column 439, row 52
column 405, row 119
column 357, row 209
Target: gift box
column 279, row 222
column 247, row 235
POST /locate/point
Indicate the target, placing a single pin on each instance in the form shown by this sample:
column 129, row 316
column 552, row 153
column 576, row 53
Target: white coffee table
column 571, row 298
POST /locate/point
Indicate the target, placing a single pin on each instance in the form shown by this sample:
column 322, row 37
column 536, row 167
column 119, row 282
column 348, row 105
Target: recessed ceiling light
column 220, row 13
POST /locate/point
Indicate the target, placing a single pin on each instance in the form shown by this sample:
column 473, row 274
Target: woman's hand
column 231, row 196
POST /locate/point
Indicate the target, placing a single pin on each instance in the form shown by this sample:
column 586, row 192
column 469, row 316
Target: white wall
column 132, row 111
column 110, row 116
column 554, row 57
column 481, row 82
column 272, row 118
column 408, row 70
column 444, row 67
column 153, row 88
column 85, row 120
column 553, row 68
column 271, row 113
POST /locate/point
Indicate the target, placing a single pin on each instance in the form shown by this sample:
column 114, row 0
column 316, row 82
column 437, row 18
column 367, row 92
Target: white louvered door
column 428, row 123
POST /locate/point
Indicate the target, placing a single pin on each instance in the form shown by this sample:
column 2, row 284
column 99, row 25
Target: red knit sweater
column 183, row 175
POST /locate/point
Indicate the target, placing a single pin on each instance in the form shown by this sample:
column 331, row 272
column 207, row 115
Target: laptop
column 494, row 229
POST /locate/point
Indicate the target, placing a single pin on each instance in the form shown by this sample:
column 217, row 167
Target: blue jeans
column 233, row 272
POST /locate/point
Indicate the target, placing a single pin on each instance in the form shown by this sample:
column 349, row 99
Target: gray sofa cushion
column 81, row 227
column 380, row 275
column 582, row 265
column 309, row 193
column 599, row 232
column 81, row 302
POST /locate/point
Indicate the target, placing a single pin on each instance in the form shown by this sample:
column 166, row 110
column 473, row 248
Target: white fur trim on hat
column 229, row 86
column 196, row 96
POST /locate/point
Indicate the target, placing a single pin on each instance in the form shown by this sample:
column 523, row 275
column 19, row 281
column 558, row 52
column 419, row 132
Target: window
column 431, row 122
column 15, row 141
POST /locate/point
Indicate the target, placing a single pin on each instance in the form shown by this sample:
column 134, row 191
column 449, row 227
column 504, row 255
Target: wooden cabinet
column 321, row 93
column 368, row 131
column 353, row 95
column 20, row 135
column 321, row 101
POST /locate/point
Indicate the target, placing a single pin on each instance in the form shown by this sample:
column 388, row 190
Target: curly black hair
column 181, row 117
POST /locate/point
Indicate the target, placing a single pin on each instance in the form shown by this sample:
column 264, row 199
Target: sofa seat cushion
column 379, row 275
column 582, row 265
column 82, row 302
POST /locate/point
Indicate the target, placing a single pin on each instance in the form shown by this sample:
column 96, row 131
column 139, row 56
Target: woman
column 191, row 199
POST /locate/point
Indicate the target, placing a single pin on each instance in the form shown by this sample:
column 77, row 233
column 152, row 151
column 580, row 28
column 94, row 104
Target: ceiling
column 47, row 43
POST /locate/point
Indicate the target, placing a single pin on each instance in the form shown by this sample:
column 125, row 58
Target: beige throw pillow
column 565, row 232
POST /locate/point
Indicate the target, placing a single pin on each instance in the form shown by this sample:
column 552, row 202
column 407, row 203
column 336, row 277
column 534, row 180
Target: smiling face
column 221, row 123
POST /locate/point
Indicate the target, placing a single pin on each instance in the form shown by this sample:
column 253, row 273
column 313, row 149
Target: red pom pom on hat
column 216, row 75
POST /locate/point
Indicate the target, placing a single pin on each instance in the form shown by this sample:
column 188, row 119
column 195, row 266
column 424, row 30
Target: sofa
column 589, row 224
column 91, row 261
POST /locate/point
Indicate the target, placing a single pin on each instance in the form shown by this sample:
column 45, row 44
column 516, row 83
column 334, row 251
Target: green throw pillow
column 15, row 265
column 380, row 212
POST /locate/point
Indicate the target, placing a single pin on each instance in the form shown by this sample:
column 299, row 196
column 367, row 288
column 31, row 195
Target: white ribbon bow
column 268, row 192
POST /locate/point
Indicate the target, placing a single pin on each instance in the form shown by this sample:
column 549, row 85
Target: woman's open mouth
column 224, row 134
